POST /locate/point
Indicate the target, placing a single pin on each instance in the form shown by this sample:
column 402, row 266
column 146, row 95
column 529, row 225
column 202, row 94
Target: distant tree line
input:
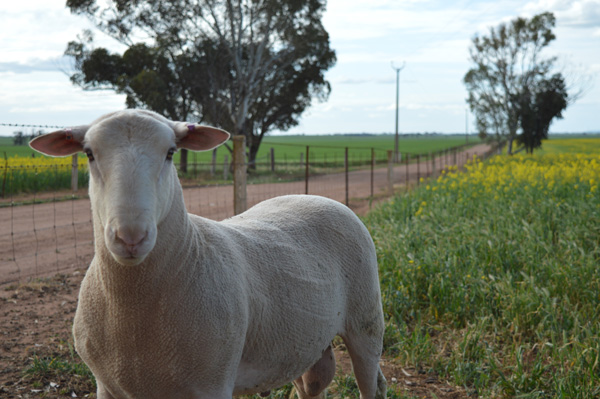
column 22, row 138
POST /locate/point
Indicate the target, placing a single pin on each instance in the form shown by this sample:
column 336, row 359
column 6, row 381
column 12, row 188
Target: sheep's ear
column 199, row 137
column 60, row 143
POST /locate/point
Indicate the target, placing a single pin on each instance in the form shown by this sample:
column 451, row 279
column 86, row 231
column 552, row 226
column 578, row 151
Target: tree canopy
column 248, row 66
column 510, row 88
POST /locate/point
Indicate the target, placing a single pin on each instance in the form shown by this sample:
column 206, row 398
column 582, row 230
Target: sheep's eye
column 170, row 154
column 90, row 155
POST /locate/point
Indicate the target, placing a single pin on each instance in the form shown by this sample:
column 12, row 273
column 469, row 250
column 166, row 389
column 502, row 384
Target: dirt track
column 43, row 239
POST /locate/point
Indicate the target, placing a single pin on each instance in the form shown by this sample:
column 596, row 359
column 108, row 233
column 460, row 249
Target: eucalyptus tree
column 512, row 90
column 248, row 66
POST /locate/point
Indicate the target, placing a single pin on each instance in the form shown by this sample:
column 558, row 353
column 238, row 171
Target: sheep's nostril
column 131, row 239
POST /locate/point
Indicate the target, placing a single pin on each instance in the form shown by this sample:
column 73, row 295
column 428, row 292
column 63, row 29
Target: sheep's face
column 131, row 183
column 132, row 177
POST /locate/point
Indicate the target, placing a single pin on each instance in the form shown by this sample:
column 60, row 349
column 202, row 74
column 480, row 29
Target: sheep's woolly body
column 234, row 307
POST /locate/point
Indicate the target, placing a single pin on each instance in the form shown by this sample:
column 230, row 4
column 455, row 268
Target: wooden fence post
column 418, row 168
column 74, row 173
column 239, row 174
column 390, row 174
column 433, row 171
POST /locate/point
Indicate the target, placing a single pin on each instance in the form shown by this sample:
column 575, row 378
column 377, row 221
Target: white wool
column 177, row 306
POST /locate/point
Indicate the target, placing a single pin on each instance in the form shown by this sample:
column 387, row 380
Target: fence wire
column 46, row 226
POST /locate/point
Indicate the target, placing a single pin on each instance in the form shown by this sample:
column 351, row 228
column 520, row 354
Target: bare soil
column 36, row 321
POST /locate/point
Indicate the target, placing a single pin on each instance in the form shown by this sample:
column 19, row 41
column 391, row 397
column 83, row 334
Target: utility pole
column 396, row 157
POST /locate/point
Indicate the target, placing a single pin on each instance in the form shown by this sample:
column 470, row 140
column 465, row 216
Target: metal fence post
column 74, row 173
column 346, row 167
column 226, row 168
column 406, row 163
column 306, row 166
column 372, row 171
column 272, row 159
column 390, row 173
column 239, row 174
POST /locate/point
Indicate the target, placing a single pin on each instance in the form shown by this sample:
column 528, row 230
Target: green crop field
column 490, row 277
column 289, row 148
column 326, row 155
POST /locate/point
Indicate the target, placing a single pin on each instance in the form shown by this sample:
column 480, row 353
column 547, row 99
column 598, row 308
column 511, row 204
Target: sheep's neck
column 161, row 267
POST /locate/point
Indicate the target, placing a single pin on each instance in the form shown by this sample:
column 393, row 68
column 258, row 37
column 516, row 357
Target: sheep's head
column 132, row 177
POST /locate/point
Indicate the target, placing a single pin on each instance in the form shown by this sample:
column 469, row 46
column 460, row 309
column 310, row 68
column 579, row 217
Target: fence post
column 418, row 168
column 390, row 156
column 433, row 171
column 213, row 165
column 372, row 171
column 3, row 193
column 226, row 168
column 306, row 165
column 239, row 174
column 346, row 167
column 74, row 173
column 272, row 159
column 407, row 176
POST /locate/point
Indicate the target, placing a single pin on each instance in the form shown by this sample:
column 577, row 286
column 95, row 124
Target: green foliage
column 247, row 67
column 538, row 109
column 510, row 90
column 66, row 369
column 491, row 278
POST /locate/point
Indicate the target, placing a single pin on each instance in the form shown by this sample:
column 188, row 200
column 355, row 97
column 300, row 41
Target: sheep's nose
column 131, row 238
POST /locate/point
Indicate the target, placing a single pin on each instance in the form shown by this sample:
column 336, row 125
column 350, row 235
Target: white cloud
column 579, row 13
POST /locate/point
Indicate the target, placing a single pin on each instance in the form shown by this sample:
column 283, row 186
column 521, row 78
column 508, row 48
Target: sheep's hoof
column 264, row 394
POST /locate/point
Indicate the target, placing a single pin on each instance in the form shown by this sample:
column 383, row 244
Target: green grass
column 564, row 145
column 491, row 278
column 7, row 148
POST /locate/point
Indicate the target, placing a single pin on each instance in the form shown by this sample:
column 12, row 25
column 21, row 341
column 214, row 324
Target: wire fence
column 46, row 224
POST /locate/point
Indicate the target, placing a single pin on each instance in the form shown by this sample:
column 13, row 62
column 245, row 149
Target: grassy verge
column 490, row 278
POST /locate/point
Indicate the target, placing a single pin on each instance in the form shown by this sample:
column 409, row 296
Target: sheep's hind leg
column 101, row 392
column 312, row 384
column 365, row 355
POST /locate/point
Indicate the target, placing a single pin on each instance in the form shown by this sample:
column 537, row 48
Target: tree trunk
column 510, row 144
column 252, row 152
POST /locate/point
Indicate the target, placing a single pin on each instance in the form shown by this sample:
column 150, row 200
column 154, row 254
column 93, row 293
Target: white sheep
column 177, row 306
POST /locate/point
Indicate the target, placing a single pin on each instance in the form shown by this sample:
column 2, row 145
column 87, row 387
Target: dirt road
column 43, row 239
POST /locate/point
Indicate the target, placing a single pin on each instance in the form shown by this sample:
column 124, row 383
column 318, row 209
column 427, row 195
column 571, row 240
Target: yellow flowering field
column 543, row 175
column 20, row 174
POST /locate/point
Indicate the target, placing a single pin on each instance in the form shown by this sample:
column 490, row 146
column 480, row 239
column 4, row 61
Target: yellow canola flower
column 546, row 174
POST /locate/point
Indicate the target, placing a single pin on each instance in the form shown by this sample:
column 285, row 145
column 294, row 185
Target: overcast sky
column 430, row 37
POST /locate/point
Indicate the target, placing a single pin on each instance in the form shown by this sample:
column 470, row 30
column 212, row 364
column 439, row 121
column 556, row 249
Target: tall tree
column 539, row 108
column 509, row 77
column 248, row 66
